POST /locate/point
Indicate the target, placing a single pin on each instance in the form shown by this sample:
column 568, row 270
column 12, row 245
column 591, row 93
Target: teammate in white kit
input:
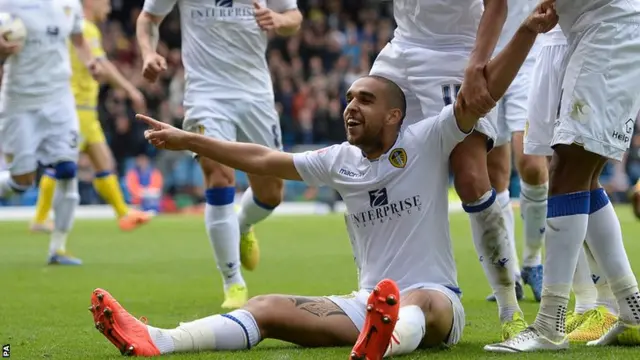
column 38, row 120
column 398, row 228
column 433, row 44
column 228, row 96
column 600, row 98
column 595, row 308
column 511, row 120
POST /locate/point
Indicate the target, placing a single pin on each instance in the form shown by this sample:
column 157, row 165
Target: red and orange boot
column 134, row 219
column 382, row 314
column 124, row 331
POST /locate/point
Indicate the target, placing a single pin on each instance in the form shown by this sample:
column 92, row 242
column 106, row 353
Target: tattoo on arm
column 317, row 306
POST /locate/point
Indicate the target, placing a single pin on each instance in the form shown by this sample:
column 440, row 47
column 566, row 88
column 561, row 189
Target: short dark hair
column 397, row 99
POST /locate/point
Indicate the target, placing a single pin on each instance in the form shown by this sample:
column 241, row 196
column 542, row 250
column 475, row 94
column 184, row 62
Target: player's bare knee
column 265, row 310
column 572, row 169
column 267, row 190
column 217, row 175
column 24, row 180
column 499, row 167
column 532, row 169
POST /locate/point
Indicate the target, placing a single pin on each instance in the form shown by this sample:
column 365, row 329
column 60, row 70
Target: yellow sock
column 45, row 197
column 106, row 184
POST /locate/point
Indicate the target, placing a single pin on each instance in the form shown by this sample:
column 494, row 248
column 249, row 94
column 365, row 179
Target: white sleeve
column 78, row 19
column 159, row 7
column 441, row 129
column 314, row 167
column 281, row 6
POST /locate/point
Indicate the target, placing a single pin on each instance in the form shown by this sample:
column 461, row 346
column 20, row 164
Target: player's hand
column 137, row 100
column 96, row 70
column 8, row 48
column 543, row 18
column 153, row 66
column 164, row 136
column 475, row 93
column 266, row 18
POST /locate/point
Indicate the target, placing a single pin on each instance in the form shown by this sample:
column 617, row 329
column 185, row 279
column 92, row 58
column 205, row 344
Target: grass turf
column 165, row 272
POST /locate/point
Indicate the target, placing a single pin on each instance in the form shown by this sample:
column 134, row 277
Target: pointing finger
column 150, row 121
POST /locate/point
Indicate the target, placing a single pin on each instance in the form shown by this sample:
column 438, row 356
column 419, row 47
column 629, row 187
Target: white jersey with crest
column 42, row 69
column 223, row 50
column 577, row 15
column 437, row 23
column 398, row 227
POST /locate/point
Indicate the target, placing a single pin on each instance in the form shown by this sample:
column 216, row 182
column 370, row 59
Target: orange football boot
column 124, row 331
column 382, row 315
column 133, row 220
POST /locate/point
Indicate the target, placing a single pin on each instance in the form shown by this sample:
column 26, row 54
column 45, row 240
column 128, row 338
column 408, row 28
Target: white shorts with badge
column 354, row 305
column 429, row 78
column 544, row 100
column 601, row 89
column 47, row 135
column 255, row 122
column 512, row 107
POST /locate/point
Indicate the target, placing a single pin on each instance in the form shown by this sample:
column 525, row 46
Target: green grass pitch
column 165, row 271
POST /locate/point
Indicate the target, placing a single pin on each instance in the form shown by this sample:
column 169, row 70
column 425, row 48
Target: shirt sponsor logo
column 382, row 209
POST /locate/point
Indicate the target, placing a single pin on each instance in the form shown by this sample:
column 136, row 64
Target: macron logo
column 349, row 173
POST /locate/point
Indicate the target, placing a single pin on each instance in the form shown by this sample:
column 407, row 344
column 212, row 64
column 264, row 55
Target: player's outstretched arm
column 250, row 158
column 502, row 69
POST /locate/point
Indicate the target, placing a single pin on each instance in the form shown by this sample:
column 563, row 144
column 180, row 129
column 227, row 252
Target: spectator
column 144, row 184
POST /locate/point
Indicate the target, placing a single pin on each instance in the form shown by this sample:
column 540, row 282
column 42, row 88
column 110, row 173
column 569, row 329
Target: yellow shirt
column 85, row 88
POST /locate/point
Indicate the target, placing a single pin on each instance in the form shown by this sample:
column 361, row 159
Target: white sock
column 236, row 330
column 409, row 331
column 567, row 219
column 608, row 250
column 8, row 187
column 583, row 288
column 221, row 222
column 492, row 245
column 604, row 296
column 504, row 199
column 252, row 211
column 65, row 203
column 533, row 209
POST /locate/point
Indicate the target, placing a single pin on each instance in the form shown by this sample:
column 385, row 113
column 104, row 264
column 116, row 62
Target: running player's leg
column 19, row 140
column 499, row 166
column 436, row 83
column 106, row 181
column 260, row 125
column 60, row 150
column 220, row 217
column 532, row 170
column 306, row 321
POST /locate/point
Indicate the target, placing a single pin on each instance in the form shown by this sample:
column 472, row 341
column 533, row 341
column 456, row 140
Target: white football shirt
column 518, row 12
column 553, row 37
column 438, row 23
column 577, row 15
column 397, row 206
column 223, row 50
column 42, row 69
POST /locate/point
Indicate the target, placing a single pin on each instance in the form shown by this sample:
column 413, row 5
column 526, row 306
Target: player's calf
column 14, row 184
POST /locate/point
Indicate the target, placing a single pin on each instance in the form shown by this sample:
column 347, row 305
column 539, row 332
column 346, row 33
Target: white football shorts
column 512, row 107
column 544, row 100
column 47, row 135
column 601, row 89
column 354, row 305
column 255, row 122
column 429, row 78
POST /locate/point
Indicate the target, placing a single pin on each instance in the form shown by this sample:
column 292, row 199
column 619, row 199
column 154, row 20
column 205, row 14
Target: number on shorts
column 276, row 135
column 73, row 139
column 450, row 93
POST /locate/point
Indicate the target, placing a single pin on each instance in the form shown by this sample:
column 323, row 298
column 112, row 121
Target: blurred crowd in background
column 338, row 42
